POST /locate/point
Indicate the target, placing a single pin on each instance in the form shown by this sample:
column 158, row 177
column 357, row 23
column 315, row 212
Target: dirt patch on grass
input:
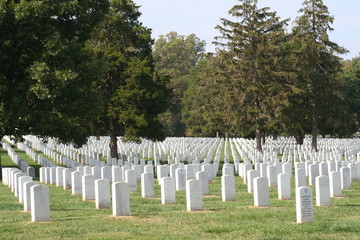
column 211, row 196
column 200, row 211
column 123, row 217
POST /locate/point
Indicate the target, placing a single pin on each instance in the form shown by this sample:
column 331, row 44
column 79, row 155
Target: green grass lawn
column 72, row 218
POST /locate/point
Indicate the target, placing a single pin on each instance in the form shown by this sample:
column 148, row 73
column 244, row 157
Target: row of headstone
column 34, row 196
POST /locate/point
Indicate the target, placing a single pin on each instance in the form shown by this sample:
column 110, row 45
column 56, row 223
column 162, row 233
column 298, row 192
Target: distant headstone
column 30, row 172
column 96, row 171
column 106, row 172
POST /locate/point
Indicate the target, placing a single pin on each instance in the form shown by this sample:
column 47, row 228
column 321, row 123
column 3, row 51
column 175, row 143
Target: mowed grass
column 72, row 218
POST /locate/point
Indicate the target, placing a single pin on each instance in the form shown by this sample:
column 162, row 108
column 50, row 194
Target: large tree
column 210, row 106
column 45, row 75
column 132, row 94
column 254, row 46
column 175, row 56
column 317, row 67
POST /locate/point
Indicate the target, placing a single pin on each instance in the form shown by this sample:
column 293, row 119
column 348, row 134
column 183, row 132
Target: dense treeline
column 71, row 69
column 264, row 81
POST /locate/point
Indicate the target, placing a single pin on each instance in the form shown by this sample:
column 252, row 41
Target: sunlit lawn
column 72, row 218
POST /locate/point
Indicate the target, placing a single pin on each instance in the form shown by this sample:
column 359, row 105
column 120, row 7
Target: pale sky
column 201, row 16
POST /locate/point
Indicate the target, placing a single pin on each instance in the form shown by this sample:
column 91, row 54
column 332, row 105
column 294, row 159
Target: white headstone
column 67, row 178
column 76, row 182
column 42, row 174
column 300, row 178
column 59, row 176
column 96, row 171
column 246, row 167
column 194, row 194
column 26, row 195
column 261, row 192
column 168, row 190
column 88, row 187
column 323, row 169
column 180, row 179
column 52, row 176
column 149, row 169
column 228, row 192
column 263, row 169
column 345, row 178
column 130, row 178
column 272, row 176
column 106, row 172
column 251, row 175
column 313, row 173
column 322, row 191
column 203, row 177
column 120, row 199
column 17, row 175
column 21, row 182
column 40, row 203
column 116, row 174
column 304, row 205
column 147, row 185
column 102, row 193
column 284, row 190
column 335, row 184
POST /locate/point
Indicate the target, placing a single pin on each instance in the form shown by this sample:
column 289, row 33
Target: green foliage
column 175, row 55
column 45, row 75
column 351, row 76
column 132, row 95
column 209, row 105
column 317, row 68
column 254, row 47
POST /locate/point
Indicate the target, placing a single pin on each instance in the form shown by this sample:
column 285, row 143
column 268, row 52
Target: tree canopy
column 132, row 94
column 45, row 77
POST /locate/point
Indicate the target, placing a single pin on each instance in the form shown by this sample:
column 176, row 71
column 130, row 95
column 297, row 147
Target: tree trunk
column 1, row 178
column 113, row 139
column 299, row 138
column 314, row 134
column 263, row 137
column 258, row 140
column 275, row 136
column 226, row 135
